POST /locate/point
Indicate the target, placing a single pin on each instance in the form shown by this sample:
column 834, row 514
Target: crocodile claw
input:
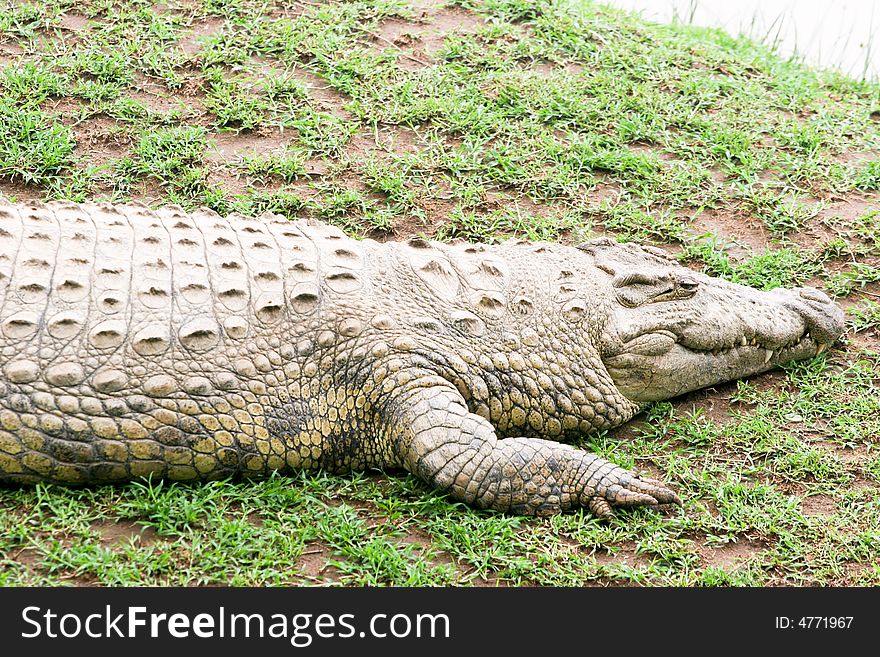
column 601, row 508
column 622, row 488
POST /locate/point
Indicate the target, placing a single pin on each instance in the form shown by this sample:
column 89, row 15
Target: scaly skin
column 136, row 342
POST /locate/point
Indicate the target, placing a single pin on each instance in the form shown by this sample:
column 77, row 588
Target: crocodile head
column 672, row 330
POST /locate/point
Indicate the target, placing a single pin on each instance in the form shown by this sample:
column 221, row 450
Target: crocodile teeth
column 743, row 341
column 768, row 354
column 822, row 347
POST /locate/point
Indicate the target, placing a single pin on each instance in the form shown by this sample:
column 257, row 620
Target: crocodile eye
column 635, row 288
column 687, row 287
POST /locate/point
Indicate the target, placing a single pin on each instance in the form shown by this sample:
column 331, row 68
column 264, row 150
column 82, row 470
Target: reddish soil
column 418, row 41
column 125, row 531
column 312, row 564
column 731, row 554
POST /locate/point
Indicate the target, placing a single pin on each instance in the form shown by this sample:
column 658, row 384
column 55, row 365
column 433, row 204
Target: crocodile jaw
column 660, row 358
column 643, row 378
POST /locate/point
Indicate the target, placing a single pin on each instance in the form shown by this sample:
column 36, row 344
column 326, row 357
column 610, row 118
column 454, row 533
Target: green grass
column 33, row 148
column 549, row 120
column 288, row 165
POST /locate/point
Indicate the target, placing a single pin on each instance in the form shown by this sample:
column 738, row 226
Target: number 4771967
column 814, row 622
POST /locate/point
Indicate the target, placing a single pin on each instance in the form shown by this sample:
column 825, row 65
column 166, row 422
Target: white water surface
column 837, row 34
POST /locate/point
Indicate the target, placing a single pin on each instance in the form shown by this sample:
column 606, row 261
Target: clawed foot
column 620, row 487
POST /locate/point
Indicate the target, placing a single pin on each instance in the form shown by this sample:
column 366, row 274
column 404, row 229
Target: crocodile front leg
column 439, row 440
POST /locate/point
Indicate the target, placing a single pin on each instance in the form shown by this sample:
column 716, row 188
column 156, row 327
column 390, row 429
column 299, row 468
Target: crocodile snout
column 823, row 318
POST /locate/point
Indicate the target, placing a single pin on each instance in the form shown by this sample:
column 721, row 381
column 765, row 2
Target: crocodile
column 139, row 342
